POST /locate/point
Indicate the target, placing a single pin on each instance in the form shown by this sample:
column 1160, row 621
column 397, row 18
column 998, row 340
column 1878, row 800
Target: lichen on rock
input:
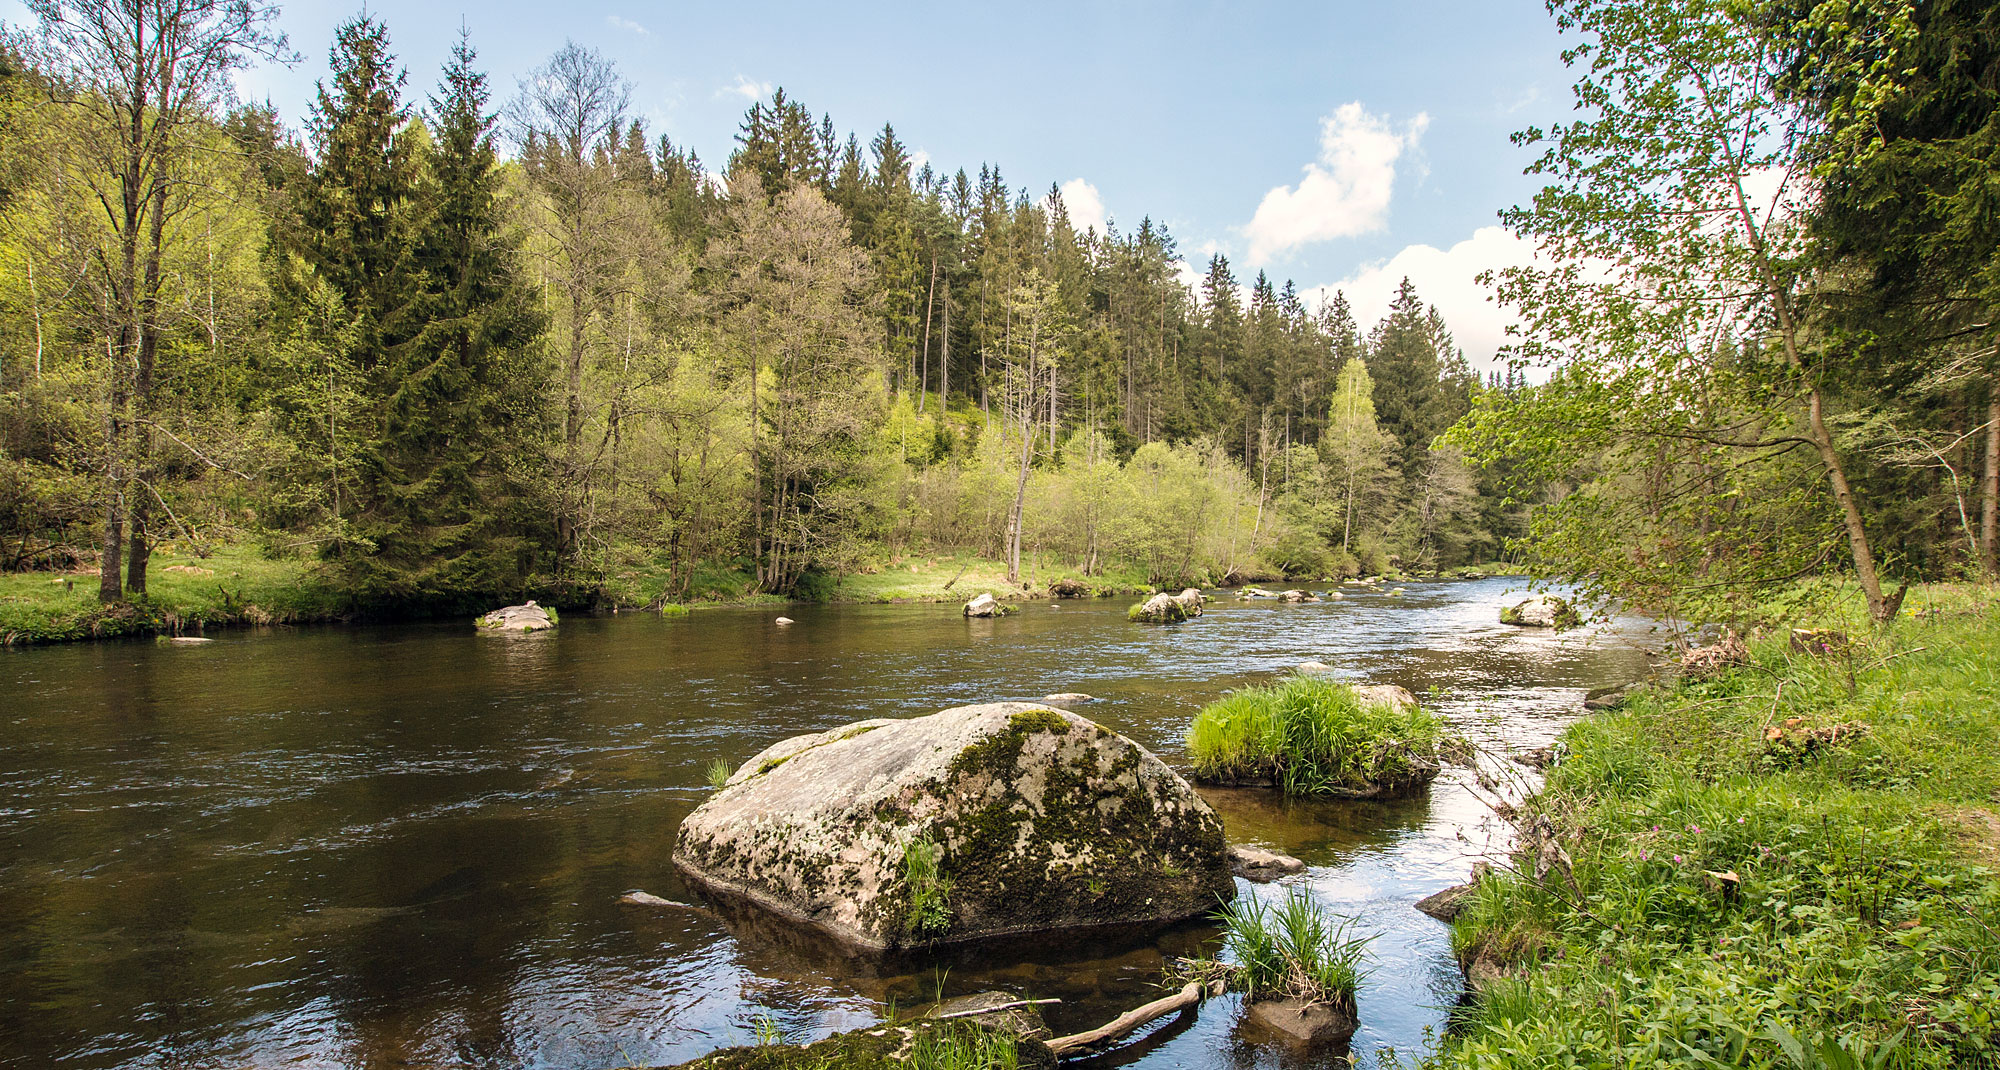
column 1041, row 820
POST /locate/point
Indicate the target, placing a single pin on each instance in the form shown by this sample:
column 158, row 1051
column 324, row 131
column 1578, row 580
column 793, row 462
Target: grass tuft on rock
column 930, row 890
column 1292, row 949
column 1313, row 736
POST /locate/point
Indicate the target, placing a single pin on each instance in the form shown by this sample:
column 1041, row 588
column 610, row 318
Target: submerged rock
column 1067, row 698
column 880, row 1046
column 1261, row 866
column 982, row 606
column 1002, row 1012
column 1313, row 668
column 784, row 620
column 527, row 617
column 976, row 822
column 1389, row 695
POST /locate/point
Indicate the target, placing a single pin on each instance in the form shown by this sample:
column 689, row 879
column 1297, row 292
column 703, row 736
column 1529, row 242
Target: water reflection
column 406, row 845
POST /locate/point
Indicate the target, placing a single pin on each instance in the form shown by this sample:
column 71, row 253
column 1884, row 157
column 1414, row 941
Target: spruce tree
column 464, row 419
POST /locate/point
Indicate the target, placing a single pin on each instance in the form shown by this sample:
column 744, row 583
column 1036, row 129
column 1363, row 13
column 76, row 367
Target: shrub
column 1312, row 736
column 930, row 891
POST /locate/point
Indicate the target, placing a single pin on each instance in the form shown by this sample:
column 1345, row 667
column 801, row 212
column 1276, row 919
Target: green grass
column 963, row 1047
column 930, row 891
column 1731, row 899
column 923, row 578
column 234, row 585
column 1292, row 950
column 1311, row 736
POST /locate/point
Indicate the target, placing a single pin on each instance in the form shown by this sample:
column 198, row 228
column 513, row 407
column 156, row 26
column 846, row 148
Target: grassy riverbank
column 235, row 585
column 1787, row 865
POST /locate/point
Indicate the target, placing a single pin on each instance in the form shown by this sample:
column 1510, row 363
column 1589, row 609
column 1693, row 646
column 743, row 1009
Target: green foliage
column 965, row 1047
column 1717, row 905
column 717, row 773
column 1310, row 735
column 929, row 889
column 1293, row 949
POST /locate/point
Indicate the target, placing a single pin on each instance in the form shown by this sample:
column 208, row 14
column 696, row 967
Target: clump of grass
column 1292, row 950
column 930, row 890
column 956, row 1046
column 1312, row 736
column 718, row 773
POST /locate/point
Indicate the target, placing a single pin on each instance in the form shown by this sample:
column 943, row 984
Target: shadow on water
column 405, row 845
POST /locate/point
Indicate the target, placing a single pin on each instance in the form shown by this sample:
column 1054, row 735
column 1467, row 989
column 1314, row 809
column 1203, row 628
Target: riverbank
column 237, row 586
column 1748, row 869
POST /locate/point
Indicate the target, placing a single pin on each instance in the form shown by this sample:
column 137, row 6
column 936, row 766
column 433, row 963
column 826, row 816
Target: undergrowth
column 1737, row 885
column 1311, row 735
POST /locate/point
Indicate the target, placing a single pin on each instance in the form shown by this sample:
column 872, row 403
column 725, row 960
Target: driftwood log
column 1189, row 995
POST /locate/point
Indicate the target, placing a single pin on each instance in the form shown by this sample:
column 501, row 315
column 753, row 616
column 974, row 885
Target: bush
column 1312, row 736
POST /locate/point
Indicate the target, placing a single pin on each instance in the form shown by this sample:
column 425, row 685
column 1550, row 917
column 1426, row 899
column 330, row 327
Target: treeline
column 457, row 347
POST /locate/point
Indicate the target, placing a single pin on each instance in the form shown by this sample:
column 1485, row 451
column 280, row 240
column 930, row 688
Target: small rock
column 184, row 640
column 982, row 606
column 1070, row 588
column 1446, row 905
column 1335, row 596
column 1067, row 698
column 1292, row 596
column 646, row 899
column 1610, row 698
column 1261, row 866
column 1395, row 592
column 1301, row 1024
column 1010, row 1014
column 1313, row 668
column 1385, row 695
column 1164, row 608
column 784, row 620
column 527, row 617
column 1538, row 758
column 1547, row 611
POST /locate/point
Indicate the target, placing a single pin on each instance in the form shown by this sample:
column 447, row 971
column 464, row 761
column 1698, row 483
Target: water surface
column 405, row 845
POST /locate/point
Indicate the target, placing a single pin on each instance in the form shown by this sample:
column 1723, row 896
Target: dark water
column 405, row 846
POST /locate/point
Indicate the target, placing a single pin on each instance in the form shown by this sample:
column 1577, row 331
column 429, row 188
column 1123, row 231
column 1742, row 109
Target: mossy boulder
column 953, row 1042
column 1164, row 608
column 970, row 824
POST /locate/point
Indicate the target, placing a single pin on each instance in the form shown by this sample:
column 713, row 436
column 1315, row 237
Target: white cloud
column 1445, row 278
column 747, row 89
column 1344, row 193
column 1085, row 207
column 623, row 25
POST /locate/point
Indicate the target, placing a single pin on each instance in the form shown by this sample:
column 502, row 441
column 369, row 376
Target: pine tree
column 464, row 419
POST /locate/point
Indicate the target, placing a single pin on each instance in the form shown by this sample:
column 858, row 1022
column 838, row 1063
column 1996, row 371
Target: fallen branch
column 990, row 1010
column 1189, row 995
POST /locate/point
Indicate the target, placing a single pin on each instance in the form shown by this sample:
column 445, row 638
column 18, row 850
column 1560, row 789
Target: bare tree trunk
column 944, row 358
column 1989, row 503
column 924, row 365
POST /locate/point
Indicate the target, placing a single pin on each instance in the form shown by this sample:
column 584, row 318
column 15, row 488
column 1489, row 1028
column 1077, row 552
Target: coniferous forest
column 453, row 347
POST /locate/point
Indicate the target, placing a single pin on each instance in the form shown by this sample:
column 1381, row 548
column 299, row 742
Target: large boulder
column 1390, row 695
column 527, row 617
column 976, row 822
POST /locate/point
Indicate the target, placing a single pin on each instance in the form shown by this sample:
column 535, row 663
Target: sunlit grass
column 1729, row 888
column 1311, row 735
column 1292, row 950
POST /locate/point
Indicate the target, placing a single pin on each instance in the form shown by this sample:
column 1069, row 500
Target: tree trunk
column 1989, row 498
column 924, row 363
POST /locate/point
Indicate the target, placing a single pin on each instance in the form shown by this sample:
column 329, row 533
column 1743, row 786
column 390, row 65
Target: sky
column 1336, row 144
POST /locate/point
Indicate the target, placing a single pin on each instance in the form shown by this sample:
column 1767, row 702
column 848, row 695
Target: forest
column 449, row 347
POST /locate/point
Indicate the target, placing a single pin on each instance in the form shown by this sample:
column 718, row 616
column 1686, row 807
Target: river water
column 405, row 846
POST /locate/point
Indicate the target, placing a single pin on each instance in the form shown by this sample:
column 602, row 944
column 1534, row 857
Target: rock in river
column 976, row 822
column 1262, row 866
column 528, row 617
column 1547, row 611
column 1164, row 608
column 982, row 606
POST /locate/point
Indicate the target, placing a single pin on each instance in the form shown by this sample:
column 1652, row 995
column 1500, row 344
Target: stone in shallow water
column 1262, row 866
column 1299, row 1024
column 1040, row 820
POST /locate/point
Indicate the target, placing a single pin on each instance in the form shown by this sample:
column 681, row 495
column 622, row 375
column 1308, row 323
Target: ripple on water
column 340, row 847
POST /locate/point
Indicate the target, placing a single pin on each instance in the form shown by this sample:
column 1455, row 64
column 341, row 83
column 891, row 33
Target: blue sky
column 1337, row 144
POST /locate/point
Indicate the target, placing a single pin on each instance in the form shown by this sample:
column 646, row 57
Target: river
column 397, row 846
